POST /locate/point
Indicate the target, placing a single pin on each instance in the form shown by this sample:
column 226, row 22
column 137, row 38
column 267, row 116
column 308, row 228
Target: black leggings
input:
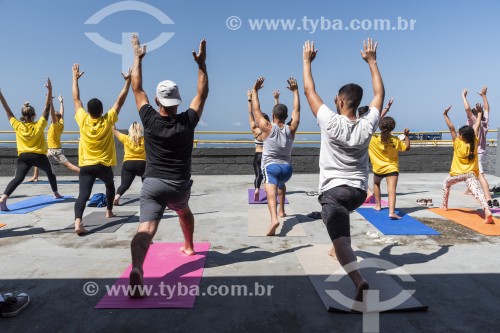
column 130, row 169
column 87, row 177
column 257, row 159
column 23, row 166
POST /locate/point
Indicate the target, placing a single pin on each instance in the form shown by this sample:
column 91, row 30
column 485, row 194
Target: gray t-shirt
column 278, row 146
column 343, row 158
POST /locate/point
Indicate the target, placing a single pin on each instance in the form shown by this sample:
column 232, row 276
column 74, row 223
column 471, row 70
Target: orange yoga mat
column 2, row 225
column 471, row 219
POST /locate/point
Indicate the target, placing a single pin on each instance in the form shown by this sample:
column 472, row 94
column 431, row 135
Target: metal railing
column 197, row 141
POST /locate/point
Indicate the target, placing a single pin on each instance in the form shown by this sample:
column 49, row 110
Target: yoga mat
column 372, row 202
column 495, row 210
column 338, row 292
column 130, row 200
column 471, row 219
column 2, row 225
column 98, row 222
column 61, row 182
column 259, row 220
column 165, row 268
column 407, row 225
column 262, row 197
column 32, row 204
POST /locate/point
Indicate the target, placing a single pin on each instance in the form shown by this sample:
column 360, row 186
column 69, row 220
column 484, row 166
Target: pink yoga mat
column 171, row 279
column 372, row 202
column 262, row 197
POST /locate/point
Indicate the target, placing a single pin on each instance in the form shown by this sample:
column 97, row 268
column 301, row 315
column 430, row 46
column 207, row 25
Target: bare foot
column 256, row 195
column 377, row 207
column 32, row 180
column 3, row 205
column 57, row 195
column 332, row 253
column 282, row 214
column 136, row 283
column 187, row 251
column 444, row 207
column 363, row 285
column 394, row 216
column 272, row 229
column 488, row 218
column 79, row 229
column 110, row 214
column 468, row 192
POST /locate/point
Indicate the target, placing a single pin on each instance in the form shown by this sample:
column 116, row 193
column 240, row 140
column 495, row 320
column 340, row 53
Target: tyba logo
column 124, row 49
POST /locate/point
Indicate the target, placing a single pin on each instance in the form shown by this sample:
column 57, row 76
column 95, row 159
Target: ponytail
column 467, row 133
column 27, row 113
column 387, row 125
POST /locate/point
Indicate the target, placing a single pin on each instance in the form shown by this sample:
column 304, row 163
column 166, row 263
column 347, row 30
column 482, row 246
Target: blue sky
column 453, row 45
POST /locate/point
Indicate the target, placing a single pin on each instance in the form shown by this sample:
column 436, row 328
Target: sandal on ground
column 422, row 202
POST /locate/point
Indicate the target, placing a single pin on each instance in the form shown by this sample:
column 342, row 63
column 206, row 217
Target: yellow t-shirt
column 461, row 163
column 29, row 136
column 132, row 152
column 54, row 134
column 96, row 145
column 384, row 156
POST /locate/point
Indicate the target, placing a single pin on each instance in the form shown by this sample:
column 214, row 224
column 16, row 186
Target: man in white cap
column 168, row 138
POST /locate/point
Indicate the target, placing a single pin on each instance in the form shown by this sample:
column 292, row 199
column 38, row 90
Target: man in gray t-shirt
column 277, row 154
column 343, row 158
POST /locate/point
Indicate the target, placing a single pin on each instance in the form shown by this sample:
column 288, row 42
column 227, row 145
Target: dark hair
column 386, row 125
column 280, row 111
column 27, row 113
column 474, row 112
column 94, row 107
column 467, row 133
column 352, row 93
column 266, row 117
column 362, row 110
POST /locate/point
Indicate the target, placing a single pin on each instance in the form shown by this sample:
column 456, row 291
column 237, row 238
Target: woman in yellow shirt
column 134, row 159
column 383, row 151
column 31, row 145
column 464, row 167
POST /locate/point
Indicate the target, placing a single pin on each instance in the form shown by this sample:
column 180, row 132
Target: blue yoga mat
column 406, row 226
column 32, row 204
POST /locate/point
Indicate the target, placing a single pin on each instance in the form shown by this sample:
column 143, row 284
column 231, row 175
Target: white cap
column 167, row 93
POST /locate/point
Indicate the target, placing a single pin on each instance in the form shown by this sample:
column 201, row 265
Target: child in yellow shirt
column 464, row 166
column 383, row 151
column 134, row 159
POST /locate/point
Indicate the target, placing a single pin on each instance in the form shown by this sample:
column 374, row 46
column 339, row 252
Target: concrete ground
column 457, row 274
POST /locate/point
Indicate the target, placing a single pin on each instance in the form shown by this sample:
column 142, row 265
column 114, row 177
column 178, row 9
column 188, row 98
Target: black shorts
column 390, row 174
column 336, row 205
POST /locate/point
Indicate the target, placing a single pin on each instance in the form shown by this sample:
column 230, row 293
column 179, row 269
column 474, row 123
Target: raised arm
column 123, row 94
column 251, row 120
column 466, row 104
column 198, row 102
column 486, row 107
column 61, row 106
column 407, row 138
column 308, row 55
column 261, row 122
column 52, row 112
column 449, row 123
column 387, row 108
column 369, row 54
column 294, row 88
column 48, row 101
column 276, row 95
column 139, row 52
column 477, row 124
column 8, row 111
column 116, row 132
column 76, row 89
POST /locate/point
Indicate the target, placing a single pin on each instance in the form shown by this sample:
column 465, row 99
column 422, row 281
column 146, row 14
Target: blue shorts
column 277, row 174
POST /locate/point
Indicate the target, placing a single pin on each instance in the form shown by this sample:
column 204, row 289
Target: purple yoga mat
column 262, row 197
column 372, row 202
column 171, row 279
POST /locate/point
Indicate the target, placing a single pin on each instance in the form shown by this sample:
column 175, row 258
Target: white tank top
column 278, row 146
